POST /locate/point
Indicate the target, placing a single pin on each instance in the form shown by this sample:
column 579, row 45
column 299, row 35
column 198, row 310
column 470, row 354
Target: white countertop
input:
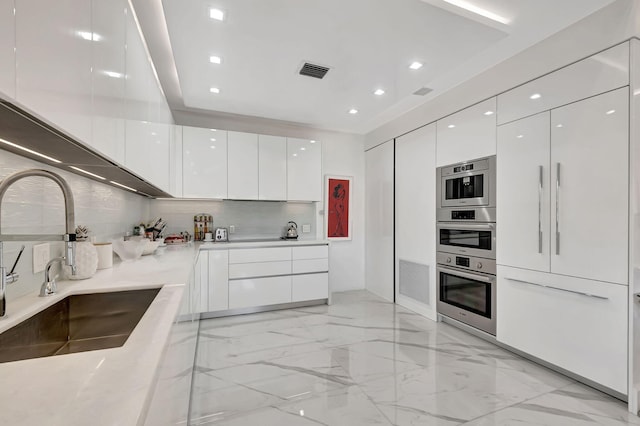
column 103, row 387
column 260, row 243
column 109, row 386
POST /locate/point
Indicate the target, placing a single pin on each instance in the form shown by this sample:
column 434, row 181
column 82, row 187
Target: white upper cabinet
column 204, row 163
column 304, row 170
column 147, row 152
column 596, row 74
column 7, row 53
column 468, row 134
column 108, row 78
column 175, row 160
column 53, row 62
column 522, row 185
column 242, row 166
column 590, row 188
column 137, row 81
column 272, row 167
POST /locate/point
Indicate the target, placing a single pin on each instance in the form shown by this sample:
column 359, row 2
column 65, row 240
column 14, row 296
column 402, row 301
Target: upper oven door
column 469, row 239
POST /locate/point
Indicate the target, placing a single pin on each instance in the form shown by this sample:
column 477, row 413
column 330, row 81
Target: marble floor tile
column 365, row 361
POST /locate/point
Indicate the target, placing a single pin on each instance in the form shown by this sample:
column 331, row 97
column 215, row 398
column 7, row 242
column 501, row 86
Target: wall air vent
column 313, row 70
column 422, row 91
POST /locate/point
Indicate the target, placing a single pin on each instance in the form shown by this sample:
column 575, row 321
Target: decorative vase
column 86, row 260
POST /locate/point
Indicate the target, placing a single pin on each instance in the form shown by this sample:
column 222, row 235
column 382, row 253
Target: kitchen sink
column 78, row 323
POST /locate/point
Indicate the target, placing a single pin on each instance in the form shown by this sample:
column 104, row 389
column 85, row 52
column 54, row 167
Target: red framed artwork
column 338, row 191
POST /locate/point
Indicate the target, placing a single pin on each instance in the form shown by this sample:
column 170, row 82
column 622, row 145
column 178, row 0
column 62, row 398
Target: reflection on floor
column 363, row 361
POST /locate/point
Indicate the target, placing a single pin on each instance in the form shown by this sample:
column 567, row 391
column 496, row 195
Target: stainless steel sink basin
column 77, row 323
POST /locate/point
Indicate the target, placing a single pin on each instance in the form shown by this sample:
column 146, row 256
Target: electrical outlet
column 306, row 229
column 232, row 229
column 40, row 257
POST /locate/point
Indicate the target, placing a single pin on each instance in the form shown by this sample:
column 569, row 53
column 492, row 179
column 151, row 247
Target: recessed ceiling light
column 214, row 90
column 379, row 92
column 312, row 141
column 154, row 134
column 87, row 173
column 353, row 111
column 30, row 151
column 214, row 130
column 295, row 155
column 213, row 147
column 478, row 11
column 122, row 186
column 215, row 59
column 87, row 35
column 611, row 111
column 559, row 125
column 535, row 96
column 216, row 14
column 113, row 74
column 451, row 126
column 520, row 136
column 415, row 66
column 489, row 113
column 302, row 148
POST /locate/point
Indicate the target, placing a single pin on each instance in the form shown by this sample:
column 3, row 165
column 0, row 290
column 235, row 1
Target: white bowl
column 150, row 247
column 129, row 250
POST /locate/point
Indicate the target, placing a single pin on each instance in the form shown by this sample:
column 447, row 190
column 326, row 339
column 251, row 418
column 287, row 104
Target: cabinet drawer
column 261, row 269
column 596, row 74
column 259, row 292
column 577, row 324
column 310, row 252
column 309, row 287
column 259, row 255
column 310, row 265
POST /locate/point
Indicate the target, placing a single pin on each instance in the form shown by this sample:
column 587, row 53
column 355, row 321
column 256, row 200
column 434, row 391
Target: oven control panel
column 479, row 264
column 463, row 215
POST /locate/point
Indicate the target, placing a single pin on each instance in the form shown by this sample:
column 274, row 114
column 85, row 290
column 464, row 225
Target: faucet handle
column 17, row 259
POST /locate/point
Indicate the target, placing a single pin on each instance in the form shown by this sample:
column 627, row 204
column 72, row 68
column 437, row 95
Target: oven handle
column 558, row 288
column 480, row 226
column 467, row 275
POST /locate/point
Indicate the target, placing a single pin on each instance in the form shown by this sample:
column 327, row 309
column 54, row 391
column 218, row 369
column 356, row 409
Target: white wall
column 36, row 206
column 603, row 29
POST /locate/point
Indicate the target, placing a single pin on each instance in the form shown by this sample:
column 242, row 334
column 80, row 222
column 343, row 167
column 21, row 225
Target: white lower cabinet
column 218, row 296
column 309, row 287
column 577, row 324
column 259, row 292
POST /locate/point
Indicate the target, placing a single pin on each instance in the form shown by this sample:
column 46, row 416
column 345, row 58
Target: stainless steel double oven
column 466, row 246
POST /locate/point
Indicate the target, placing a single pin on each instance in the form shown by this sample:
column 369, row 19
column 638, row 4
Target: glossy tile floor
column 363, row 361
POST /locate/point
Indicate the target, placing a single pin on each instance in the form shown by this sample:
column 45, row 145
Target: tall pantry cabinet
column 563, row 190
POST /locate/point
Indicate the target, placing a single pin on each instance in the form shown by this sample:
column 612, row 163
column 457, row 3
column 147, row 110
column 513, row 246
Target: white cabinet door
column 579, row 325
column 108, row 78
column 599, row 73
column 259, row 292
column 200, row 284
column 379, row 220
column 468, row 134
column 175, row 161
column 242, row 166
column 218, row 284
column 304, row 170
column 53, row 58
column 523, row 174
column 204, row 163
column 7, row 53
column 272, row 168
column 137, row 81
column 590, row 188
column 416, row 220
column 147, row 152
column 309, row 287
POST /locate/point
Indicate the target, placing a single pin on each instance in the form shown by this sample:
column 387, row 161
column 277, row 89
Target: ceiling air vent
column 422, row 91
column 313, row 70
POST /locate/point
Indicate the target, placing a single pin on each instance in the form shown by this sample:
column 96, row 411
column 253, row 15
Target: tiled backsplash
column 252, row 219
column 36, row 206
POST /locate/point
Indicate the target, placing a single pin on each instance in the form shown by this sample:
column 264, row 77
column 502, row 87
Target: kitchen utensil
column 292, row 230
column 129, row 250
column 222, row 234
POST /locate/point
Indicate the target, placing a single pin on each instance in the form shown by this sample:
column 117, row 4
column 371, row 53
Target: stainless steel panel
column 466, row 251
column 482, row 166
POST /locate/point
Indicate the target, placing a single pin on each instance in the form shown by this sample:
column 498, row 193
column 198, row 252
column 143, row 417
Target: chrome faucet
column 69, row 237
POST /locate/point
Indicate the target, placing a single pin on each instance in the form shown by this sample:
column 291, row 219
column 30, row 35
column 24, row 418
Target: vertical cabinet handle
column 540, row 182
column 557, row 208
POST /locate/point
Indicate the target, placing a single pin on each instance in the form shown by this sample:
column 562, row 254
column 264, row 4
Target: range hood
column 24, row 129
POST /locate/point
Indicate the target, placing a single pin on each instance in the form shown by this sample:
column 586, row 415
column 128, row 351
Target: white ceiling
column 368, row 44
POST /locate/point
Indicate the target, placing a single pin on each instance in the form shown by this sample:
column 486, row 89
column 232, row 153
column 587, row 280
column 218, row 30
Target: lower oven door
column 468, row 297
column 469, row 239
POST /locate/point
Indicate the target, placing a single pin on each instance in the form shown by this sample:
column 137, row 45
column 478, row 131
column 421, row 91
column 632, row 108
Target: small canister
column 105, row 255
